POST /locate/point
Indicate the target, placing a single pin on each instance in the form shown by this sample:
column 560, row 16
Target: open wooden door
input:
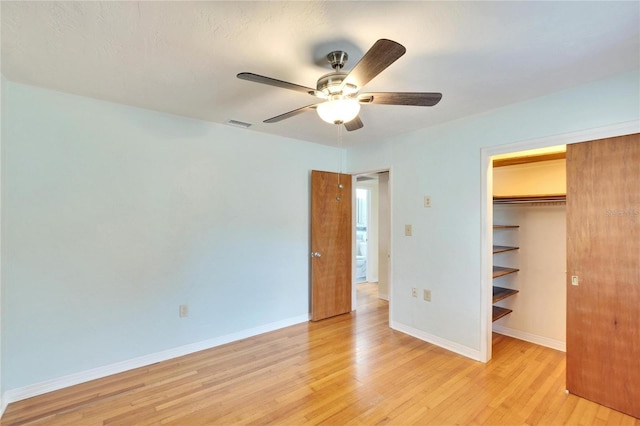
column 330, row 244
column 603, row 272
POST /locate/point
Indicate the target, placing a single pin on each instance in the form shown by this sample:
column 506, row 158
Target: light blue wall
column 444, row 253
column 2, row 102
column 113, row 216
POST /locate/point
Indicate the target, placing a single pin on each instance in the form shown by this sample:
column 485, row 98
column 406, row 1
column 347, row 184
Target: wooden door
column 603, row 252
column 330, row 244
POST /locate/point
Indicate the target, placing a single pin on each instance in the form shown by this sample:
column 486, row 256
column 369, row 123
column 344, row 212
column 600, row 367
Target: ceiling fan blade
column 354, row 124
column 249, row 76
column 401, row 98
column 382, row 54
column 290, row 113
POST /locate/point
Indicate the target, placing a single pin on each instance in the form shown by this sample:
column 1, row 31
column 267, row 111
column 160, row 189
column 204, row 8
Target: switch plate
column 183, row 311
column 414, row 292
column 427, row 295
column 427, row 201
column 574, row 280
column 407, row 230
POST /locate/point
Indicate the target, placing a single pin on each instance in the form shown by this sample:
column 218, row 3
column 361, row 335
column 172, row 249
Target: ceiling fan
column 339, row 91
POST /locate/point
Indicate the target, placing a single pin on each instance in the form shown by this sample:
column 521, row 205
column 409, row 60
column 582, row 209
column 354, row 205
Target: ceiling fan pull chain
column 340, row 185
column 339, row 126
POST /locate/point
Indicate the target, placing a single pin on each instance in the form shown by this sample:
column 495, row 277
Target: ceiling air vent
column 237, row 123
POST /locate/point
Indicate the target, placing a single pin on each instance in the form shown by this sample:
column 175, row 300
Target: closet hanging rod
column 515, row 199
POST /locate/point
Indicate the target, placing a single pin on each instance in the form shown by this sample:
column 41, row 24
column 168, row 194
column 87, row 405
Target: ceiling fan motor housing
column 329, row 84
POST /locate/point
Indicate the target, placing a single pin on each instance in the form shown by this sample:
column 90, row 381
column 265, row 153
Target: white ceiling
column 182, row 57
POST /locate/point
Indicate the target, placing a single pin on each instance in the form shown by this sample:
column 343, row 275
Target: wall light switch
column 407, row 230
column 574, row 280
column 427, row 201
column 183, row 311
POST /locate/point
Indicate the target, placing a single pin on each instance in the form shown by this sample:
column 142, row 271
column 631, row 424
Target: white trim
column 35, row 389
column 391, row 260
column 613, row 130
column 3, row 403
column 486, row 278
column 435, row 340
column 558, row 345
column 354, row 265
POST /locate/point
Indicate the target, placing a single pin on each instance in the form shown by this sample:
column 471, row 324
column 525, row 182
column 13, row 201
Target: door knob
column 315, row 254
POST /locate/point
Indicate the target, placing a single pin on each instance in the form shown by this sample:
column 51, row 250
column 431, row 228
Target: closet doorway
column 525, row 305
column 529, row 246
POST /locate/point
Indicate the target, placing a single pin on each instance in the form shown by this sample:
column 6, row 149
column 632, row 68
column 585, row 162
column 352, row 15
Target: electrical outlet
column 407, row 230
column 427, row 201
column 414, row 292
column 183, row 311
column 427, row 295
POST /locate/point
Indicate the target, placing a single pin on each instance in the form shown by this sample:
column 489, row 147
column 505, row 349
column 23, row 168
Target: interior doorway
column 372, row 226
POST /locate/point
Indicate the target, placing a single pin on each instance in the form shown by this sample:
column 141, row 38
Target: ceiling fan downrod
column 337, row 58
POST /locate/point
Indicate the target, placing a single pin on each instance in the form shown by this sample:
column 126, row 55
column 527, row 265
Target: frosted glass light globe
column 339, row 109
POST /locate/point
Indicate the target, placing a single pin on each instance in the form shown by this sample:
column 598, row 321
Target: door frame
column 486, row 214
column 354, row 176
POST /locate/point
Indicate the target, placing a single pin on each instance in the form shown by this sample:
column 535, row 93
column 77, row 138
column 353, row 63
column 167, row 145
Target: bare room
column 320, row 212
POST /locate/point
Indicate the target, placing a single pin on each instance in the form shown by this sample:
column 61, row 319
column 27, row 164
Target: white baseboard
column 438, row 341
column 13, row 395
column 533, row 338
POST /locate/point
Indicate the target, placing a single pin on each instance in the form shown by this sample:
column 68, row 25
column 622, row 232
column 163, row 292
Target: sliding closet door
column 603, row 272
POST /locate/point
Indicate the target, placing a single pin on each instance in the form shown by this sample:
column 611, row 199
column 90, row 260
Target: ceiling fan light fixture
column 339, row 109
column 338, row 91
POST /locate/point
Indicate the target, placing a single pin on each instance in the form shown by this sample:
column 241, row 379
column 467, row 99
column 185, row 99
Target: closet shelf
column 499, row 312
column 499, row 271
column 502, row 249
column 500, row 293
column 515, row 199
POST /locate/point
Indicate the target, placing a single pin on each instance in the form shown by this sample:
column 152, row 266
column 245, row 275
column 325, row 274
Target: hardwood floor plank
column 347, row 370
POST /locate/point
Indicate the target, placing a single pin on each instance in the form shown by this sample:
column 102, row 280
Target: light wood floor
column 350, row 369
